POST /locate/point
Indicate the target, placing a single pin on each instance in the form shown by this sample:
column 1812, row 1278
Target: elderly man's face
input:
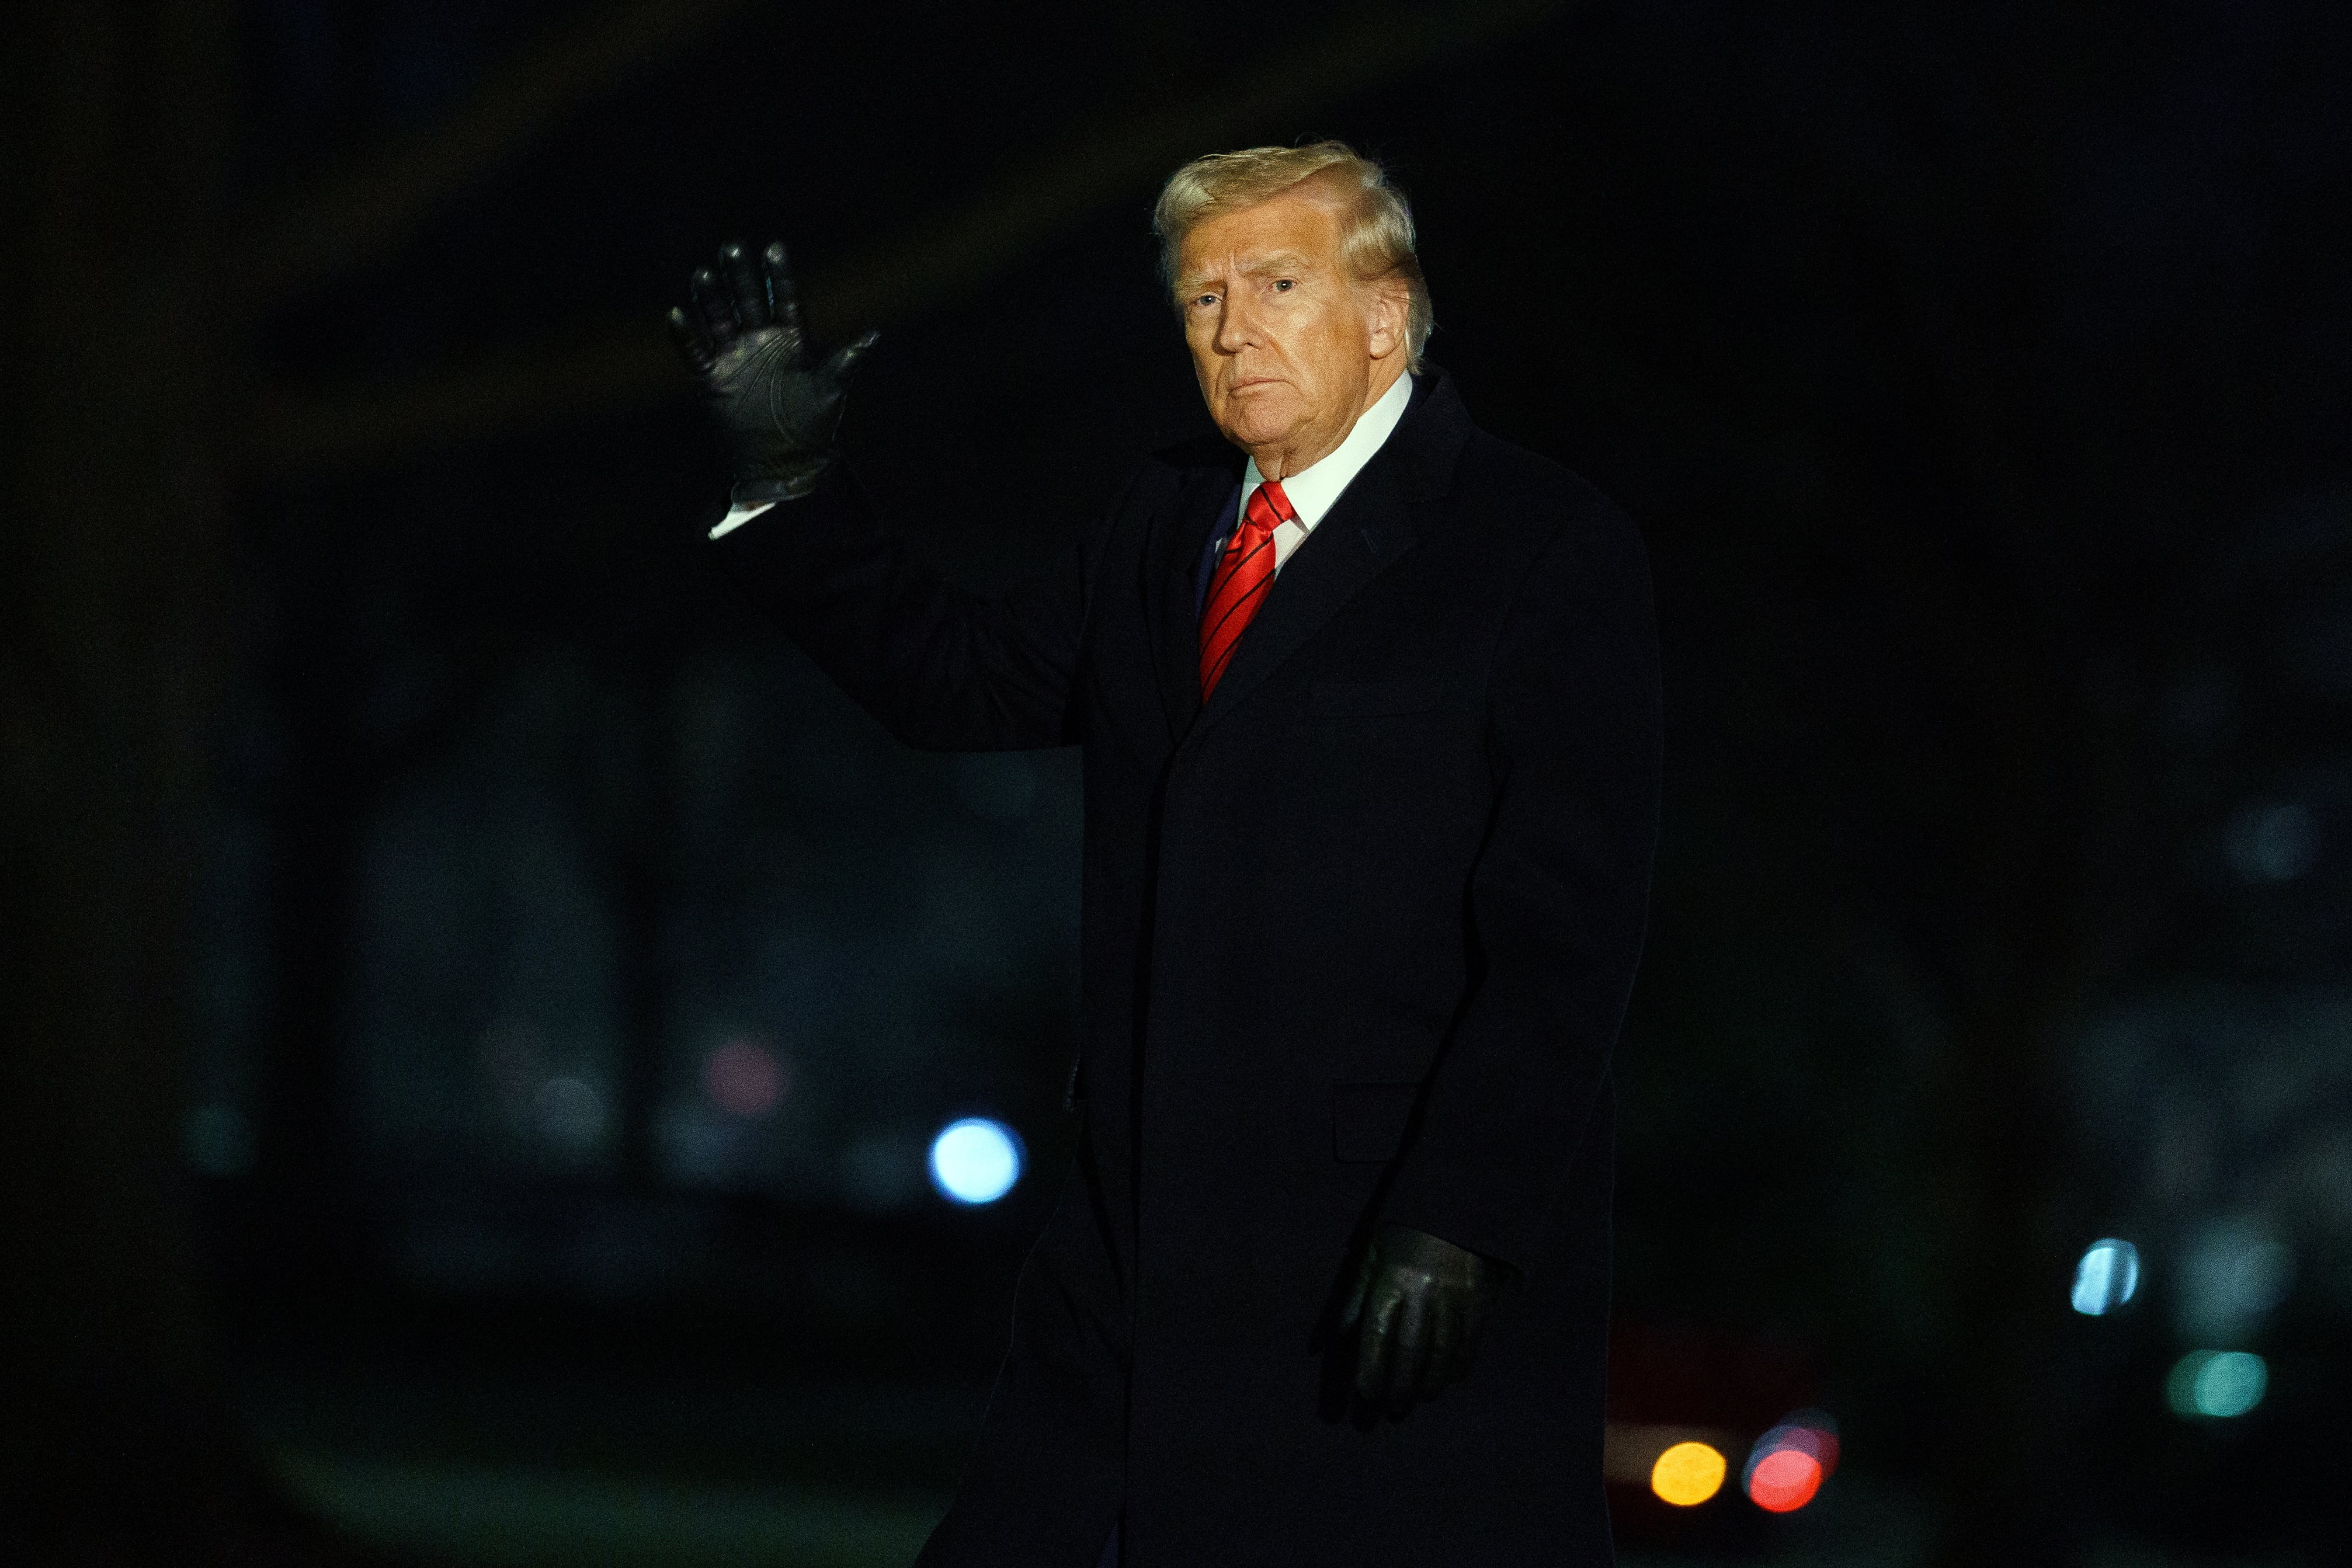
column 1289, row 348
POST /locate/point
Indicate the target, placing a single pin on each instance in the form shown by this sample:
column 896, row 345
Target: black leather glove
column 1417, row 1308
column 744, row 343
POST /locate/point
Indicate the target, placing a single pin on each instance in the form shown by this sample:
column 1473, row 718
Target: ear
column 1388, row 305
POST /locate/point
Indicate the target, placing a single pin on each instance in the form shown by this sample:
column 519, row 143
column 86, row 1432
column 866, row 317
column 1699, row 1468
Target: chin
column 1256, row 421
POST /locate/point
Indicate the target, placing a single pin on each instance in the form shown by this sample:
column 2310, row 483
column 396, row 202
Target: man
column 1369, row 705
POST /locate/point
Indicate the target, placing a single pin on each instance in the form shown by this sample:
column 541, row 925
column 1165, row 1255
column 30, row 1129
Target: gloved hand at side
column 1417, row 1307
column 744, row 342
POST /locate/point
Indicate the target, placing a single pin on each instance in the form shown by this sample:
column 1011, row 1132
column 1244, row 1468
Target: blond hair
column 1376, row 238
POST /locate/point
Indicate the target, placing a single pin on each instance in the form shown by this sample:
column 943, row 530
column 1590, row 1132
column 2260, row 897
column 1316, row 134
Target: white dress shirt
column 1312, row 489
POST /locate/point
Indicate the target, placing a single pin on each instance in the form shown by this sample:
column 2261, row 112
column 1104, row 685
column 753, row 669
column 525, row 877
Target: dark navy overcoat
column 1357, row 941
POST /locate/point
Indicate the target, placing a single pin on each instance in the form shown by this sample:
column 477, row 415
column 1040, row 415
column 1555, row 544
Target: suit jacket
column 1356, row 943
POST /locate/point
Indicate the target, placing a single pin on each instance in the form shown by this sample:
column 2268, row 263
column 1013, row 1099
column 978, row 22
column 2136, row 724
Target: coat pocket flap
column 1369, row 1120
column 1367, row 699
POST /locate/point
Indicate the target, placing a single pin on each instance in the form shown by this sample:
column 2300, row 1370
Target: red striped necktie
column 1243, row 574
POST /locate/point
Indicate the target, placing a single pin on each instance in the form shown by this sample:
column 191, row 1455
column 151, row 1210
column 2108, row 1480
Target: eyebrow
column 1280, row 261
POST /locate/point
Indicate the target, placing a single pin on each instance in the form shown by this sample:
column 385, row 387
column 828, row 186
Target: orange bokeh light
column 1784, row 1480
column 1688, row 1474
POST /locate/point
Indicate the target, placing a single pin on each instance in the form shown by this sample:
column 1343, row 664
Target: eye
column 1199, row 299
column 1284, row 285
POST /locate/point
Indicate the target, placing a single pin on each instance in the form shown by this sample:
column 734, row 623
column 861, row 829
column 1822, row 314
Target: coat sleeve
column 1559, row 898
column 941, row 668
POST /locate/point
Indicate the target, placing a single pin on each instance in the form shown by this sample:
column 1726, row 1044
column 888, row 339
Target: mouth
column 1254, row 381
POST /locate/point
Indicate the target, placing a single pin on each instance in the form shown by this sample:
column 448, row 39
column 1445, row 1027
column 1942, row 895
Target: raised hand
column 1417, row 1308
column 744, row 342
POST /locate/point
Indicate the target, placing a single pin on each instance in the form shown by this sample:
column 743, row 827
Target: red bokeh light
column 743, row 1079
column 1820, row 1442
column 1784, row 1480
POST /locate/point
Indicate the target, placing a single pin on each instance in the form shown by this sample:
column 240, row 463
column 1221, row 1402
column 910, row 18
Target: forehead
column 1291, row 224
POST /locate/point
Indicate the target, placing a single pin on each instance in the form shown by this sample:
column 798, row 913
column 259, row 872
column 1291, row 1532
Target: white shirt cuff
column 735, row 518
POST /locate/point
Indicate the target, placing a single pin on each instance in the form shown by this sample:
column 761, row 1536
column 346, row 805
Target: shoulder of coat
column 1530, row 496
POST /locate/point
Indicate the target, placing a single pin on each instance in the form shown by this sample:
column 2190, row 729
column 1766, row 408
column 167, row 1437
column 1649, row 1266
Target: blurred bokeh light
column 743, row 1079
column 2218, row 1384
column 2106, row 1277
column 975, row 1160
column 1783, row 1480
column 1787, row 1465
column 1688, row 1474
column 2234, row 1274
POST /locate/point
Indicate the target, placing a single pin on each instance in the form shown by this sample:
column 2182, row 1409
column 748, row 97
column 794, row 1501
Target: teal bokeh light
column 2217, row 1384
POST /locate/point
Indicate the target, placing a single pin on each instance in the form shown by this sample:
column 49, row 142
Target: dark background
column 398, row 818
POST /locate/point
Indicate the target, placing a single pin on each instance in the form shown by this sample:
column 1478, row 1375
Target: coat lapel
column 1179, row 536
column 1375, row 521
column 1367, row 528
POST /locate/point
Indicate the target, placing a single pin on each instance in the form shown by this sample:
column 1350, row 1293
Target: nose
column 1236, row 324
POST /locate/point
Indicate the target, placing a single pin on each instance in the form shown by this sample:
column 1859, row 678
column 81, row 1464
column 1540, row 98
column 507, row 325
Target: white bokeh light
column 975, row 1160
column 2106, row 1277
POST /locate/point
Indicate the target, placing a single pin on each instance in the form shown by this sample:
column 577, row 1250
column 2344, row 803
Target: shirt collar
column 1314, row 488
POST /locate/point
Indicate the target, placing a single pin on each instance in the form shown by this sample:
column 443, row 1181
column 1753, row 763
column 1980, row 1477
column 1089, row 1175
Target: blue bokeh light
column 975, row 1160
column 2106, row 1277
